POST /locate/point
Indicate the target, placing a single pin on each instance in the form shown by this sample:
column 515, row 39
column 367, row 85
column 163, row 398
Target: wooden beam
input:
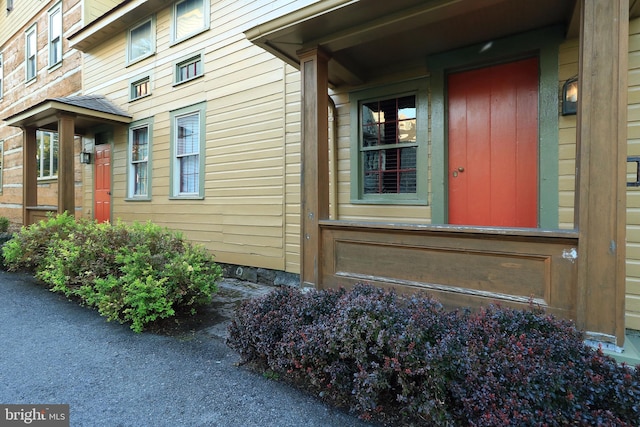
column 66, row 179
column 602, row 146
column 315, row 160
column 29, row 172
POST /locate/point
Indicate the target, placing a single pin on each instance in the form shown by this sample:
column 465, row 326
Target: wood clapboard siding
column 568, row 68
column 250, row 211
column 632, row 300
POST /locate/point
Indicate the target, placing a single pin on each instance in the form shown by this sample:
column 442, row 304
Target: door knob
column 461, row 169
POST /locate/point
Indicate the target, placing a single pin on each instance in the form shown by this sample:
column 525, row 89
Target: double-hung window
column 141, row 41
column 187, row 140
column 31, row 50
column 189, row 17
column 139, row 182
column 389, row 148
column 47, row 155
column 55, row 35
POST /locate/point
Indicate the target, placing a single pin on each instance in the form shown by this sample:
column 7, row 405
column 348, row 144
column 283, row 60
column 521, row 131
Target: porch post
column 601, row 167
column 29, row 172
column 315, row 161
column 66, row 179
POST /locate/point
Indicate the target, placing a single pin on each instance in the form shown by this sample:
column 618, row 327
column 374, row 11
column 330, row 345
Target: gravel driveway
column 53, row 351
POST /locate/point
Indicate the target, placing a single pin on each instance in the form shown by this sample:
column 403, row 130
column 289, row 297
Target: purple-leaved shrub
column 406, row 360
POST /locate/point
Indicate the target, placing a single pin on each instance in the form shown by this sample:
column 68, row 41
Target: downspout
column 333, row 160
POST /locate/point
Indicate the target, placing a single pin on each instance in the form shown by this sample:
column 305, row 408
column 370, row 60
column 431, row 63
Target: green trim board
column 544, row 43
column 419, row 88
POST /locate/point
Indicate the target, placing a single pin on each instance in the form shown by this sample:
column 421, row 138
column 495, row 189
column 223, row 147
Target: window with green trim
column 187, row 147
column 389, row 137
column 188, row 69
column 139, row 180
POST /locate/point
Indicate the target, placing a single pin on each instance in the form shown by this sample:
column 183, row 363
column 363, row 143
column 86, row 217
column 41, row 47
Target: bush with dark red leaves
column 405, row 360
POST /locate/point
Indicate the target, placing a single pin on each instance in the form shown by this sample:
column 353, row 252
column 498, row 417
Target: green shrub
column 131, row 273
column 406, row 361
column 4, row 224
column 26, row 250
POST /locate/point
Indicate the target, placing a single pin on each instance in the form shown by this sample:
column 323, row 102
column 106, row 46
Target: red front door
column 102, row 203
column 493, row 145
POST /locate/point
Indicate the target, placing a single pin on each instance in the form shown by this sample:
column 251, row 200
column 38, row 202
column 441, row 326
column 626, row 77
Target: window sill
column 390, row 201
column 188, row 80
column 138, row 199
column 140, row 97
column 54, row 66
column 140, row 59
column 175, row 42
column 186, row 197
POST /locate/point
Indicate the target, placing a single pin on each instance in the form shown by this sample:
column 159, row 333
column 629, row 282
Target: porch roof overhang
column 89, row 111
column 115, row 21
column 371, row 39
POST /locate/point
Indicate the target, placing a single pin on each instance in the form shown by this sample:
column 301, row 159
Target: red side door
column 102, row 195
column 493, row 145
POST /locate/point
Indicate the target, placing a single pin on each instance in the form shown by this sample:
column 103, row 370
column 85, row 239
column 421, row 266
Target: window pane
column 389, row 122
column 140, row 145
column 56, row 24
column 189, row 70
column 189, row 172
column 140, row 180
column 189, row 17
column 140, row 41
column 188, row 135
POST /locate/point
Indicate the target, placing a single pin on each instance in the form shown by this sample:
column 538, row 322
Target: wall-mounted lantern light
column 570, row 97
column 85, row 157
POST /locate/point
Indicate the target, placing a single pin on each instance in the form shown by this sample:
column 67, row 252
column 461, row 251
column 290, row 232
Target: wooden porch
column 580, row 273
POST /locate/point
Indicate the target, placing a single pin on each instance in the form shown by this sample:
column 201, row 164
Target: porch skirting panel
column 460, row 266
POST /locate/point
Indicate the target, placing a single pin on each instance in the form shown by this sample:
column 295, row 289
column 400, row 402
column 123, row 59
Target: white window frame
column 52, row 154
column 185, row 62
column 55, row 40
column 177, row 191
column 178, row 36
column 132, row 192
column 152, row 41
column 133, row 85
column 31, row 35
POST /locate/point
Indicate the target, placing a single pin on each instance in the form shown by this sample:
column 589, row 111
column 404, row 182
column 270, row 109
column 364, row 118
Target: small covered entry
column 342, row 46
column 69, row 117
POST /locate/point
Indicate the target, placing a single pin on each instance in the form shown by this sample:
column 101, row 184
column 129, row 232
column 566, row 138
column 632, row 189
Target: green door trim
column 544, row 43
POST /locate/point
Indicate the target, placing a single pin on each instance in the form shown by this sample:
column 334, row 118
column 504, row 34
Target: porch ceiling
column 89, row 111
column 368, row 39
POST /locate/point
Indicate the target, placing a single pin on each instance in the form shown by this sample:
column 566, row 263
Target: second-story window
column 55, row 35
column 31, row 51
column 141, row 42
